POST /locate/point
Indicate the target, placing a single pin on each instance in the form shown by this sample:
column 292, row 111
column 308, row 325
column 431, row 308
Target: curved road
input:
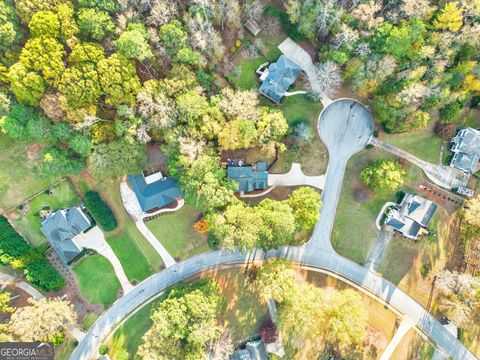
column 345, row 126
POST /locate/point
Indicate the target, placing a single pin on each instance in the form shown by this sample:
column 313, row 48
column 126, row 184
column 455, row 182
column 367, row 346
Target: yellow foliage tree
column 450, row 18
column 470, row 83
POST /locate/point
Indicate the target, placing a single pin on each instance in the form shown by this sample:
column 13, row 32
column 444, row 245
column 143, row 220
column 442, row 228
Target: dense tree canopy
column 383, row 175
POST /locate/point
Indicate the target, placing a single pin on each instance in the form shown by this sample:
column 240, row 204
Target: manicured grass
column 413, row 346
column 175, row 232
column 17, row 178
column 62, row 196
column 354, row 230
column 313, row 155
column 138, row 258
column 422, row 143
column 97, row 280
column 129, row 335
column 88, row 320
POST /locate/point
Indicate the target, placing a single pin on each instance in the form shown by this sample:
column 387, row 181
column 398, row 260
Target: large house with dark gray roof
column 254, row 350
column 248, row 177
column 411, row 216
column 155, row 191
column 466, row 150
column 278, row 77
column 61, row 228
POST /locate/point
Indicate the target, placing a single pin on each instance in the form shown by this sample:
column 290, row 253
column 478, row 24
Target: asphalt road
column 345, row 128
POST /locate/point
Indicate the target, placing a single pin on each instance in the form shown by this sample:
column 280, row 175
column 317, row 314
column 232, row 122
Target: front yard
column 97, row 280
column 175, row 232
column 27, row 217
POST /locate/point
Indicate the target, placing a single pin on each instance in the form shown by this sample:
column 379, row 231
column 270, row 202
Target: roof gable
column 249, row 178
column 281, row 75
column 155, row 194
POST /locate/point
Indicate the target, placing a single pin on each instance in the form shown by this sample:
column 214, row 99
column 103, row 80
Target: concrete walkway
column 441, row 175
column 29, row 289
column 95, row 239
column 377, row 252
column 294, row 52
column 132, row 207
column 296, row 177
column 404, row 327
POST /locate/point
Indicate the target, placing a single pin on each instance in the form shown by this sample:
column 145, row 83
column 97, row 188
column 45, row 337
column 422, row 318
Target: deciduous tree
column 305, row 203
column 95, row 24
column 383, row 175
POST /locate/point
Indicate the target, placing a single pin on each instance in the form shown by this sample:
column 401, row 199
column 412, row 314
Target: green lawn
column 354, row 230
column 97, row 280
column 17, row 178
column 422, row 143
column 175, row 232
column 62, row 196
column 129, row 335
column 64, row 351
column 138, row 258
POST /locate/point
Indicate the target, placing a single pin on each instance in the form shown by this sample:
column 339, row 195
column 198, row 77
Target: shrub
column 16, row 252
column 268, row 332
column 103, row 349
column 450, row 112
column 100, row 211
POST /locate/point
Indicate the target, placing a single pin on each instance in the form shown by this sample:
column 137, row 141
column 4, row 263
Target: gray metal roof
column 156, row 194
column 466, row 150
column 281, row 75
column 61, row 227
column 249, row 177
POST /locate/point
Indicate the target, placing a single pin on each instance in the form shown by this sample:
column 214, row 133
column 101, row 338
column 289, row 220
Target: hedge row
column 100, row 211
column 16, row 252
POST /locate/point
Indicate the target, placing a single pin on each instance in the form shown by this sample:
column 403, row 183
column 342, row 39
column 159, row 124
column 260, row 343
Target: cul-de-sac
column 240, row 179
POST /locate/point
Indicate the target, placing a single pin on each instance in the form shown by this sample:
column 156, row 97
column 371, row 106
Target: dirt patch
column 20, row 299
column 279, row 193
column 33, row 151
column 363, row 194
column 443, row 198
column 157, row 160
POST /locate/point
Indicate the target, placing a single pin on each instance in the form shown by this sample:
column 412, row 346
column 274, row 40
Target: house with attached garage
column 466, row 150
column 411, row 217
column 62, row 227
column 248, row 177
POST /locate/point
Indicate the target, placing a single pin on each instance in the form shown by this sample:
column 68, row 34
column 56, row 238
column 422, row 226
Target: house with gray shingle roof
column 61, row 228
column 279, row 77
column 254, row 350
column 412, row 216
column 155, row 191
column 466, row 150
column 248, row 177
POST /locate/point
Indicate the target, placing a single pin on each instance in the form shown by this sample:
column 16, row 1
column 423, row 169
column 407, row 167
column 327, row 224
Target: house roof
column 281, row 75
column 466, row 150
column 254, row 350
column 249, row 177
column 413, row 213
column 61, row 227
column 154, row 191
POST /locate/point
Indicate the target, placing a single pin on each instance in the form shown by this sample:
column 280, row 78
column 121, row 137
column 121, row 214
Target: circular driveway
column 345, row 127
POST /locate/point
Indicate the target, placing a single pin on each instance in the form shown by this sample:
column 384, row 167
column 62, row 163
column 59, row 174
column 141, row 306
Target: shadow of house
column 155, row 191
column 411, row 217
column 61, row 228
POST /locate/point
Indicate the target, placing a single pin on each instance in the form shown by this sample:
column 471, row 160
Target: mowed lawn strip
column 62, row 196
column 17, row 178
column 354, row 230
column 97, row 280
column 138, row 258
column 175, row 232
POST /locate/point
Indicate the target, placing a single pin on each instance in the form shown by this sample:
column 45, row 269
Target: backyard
column 97, row 280
column 137, row 256
column 18, row 180
column 28, row 219
column 175, row 232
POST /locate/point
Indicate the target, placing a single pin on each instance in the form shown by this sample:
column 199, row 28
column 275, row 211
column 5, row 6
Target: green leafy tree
column 133, row 44
column 95, row 24
column 117, row 158
column 449, row 18
column 184, row 322
column 109, row 6
column 173, row 35
column 26, row 8
column 9, row 25
column 305, row 203
column 205, row 184
column 45, row 55
column 191, row 106
column 119, row 80
column 100, row 211
column 60, row 162
column 383, row 175
column 44, row 23
column 276, row 280
column 80, row 84
column 187, row 56
column 86, row 52
column 68, row 25
column 27, row 123
column 470, row 216
column 81, row 144
column 27, row 86
column 278, row 223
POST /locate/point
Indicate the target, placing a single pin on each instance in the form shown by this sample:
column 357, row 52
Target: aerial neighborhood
column 240, row 180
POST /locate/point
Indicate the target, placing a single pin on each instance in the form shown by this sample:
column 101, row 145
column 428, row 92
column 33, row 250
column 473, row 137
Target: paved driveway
column 296, row 177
